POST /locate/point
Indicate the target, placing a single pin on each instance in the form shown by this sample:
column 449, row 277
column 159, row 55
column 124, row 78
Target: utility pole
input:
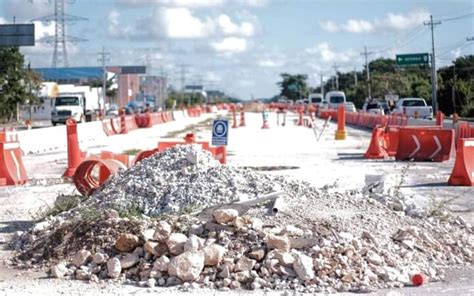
column 183, row 71
column 367, row 70
column 355, row 76
column 453, row 89
column 163, row 87
column 336, row 66
column 104, row 57
column 434, row 78
column 322, row 85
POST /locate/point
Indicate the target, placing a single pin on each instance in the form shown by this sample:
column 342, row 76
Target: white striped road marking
column 469, row 143
column 418, row 146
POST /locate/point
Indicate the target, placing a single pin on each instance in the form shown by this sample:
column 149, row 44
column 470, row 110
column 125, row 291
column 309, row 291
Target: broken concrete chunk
column 162, row 231
column 213, row 254
column 303, row 266
column 175, row 243
column 187, row 266
column 126, row 242
column 114, row 268
column 81, row 258
column 244, row 263
column 223, row 216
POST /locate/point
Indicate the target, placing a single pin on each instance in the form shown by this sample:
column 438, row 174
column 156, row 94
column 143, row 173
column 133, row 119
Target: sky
column 241, row 46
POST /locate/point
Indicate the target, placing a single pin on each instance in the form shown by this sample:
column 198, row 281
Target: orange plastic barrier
column 115, row 123
column 143, row 154
column 107, row 127
column 74, row 154
column 242, row 118
column 93, row 173
column 463, row 170
column 391, row 137
column 422, row 144
column 439, row 118
column 127, row 123
column 12, row 170
column 378, row 145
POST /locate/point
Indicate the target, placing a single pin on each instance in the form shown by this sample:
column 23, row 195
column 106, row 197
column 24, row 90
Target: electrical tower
column 60, row 38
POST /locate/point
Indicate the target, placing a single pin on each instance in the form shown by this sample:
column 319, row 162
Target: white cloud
column 229, row 28
column 178, row 23
column 324, row 51
column 358, row 26
column 194, row 3
column 269, row 63
column 456, row 53
column 2, row 21
column 230, row 45
column 24, row 10
column 390, row 22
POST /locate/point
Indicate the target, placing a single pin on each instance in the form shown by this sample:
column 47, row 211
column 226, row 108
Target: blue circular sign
column 220, row 129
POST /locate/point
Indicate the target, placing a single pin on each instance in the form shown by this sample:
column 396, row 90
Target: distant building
column 195, row 89
column 127, row 78
column 154, row 88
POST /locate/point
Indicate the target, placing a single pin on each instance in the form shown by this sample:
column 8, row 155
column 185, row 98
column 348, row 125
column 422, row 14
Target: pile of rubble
column 316, row 241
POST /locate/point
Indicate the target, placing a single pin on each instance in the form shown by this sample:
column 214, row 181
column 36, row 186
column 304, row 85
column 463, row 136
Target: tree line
column 455, row 84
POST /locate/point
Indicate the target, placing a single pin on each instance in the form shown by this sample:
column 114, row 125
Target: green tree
column 293, row 87
column 14, row 81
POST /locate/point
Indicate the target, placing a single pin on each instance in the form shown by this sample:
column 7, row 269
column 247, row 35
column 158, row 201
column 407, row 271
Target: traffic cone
column 377, row 147
column 74, row 154
column 234, row 124
column 341, row 123
column 300, row 120
column 439, row 118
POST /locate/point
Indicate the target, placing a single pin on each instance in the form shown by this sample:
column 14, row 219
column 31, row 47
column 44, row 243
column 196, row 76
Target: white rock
column 162, row 231
column 187, row 266
column 114, row 268
column 81, row 258
column 278, row 242
column 284, row 258
column 129, row 260
column 150, row 246
column 59, row 270
column 175, row 243
column 223, row 216
column 82, row 275
column 194, row 243
column 374, row 258
column 99, row 258
column 213, row 254
column 303, row 266
column 245, row 263
column 161, row 264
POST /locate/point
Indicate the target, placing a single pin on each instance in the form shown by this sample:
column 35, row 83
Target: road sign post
column 17, row 35
column 412, row 59
column 220, row 132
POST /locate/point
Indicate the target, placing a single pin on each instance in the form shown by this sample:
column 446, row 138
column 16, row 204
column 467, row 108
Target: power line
column 457, row 17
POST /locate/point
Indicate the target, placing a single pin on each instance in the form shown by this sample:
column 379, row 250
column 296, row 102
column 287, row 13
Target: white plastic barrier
column 178, row 115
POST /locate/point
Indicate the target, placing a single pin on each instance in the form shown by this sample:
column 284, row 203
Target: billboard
column 17, row 35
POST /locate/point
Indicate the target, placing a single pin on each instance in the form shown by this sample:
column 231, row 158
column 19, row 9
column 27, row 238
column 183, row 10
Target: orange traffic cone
column 377, row 147
column 74, row 154
column 341, row 123
column 242, row 118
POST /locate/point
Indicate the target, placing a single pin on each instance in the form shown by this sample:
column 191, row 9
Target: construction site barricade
column 107, row 127
column 93, row 173
column 156, row 118
column 219, row 153
column 127, row 124
column 463, row 170
column 378, row 145
column 12, row 170
column 74, row 154
column 143, row 120
column 425, row 144
column 143, row 154
column 115, row 123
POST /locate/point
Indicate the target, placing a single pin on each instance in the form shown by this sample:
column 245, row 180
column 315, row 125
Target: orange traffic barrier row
column 127, row 123
column 107, row 127
column 74, row 154
column 463, row 170
column 12, row 170
column 429, row 143
column 194, row 112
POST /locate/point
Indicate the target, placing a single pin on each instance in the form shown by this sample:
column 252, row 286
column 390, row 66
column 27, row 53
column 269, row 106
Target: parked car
column 373, row 107
column 385, row 107
column 316, row 98
column 414, row 107
column 112, row 111
column 350, row 107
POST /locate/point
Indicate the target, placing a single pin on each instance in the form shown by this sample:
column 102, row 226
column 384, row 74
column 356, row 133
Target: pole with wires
column 434, row 78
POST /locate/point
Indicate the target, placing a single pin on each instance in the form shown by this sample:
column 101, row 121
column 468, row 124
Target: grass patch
column 133, row 151
column 190, row 128
column 63, row 203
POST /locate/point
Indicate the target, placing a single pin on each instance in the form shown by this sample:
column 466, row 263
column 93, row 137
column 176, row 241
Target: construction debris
column 139, row 229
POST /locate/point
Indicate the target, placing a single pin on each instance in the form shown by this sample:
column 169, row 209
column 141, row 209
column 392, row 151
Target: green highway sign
column 412, row 59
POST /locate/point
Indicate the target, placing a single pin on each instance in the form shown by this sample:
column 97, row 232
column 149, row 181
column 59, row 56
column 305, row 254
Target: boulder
column 278, row 242
column 187, row 266
column 175, row 243
column 193, row 243
column 59, row 270
column 99, row 258
column 244, row 263
column 303, row 266
column 126, row 242
column 213, row 254
column 150, row 246
column 161, row 264
column 81, row 258
column 223, row 216
column 162, row 231
column 258, row 254
column 129, row 260
column 114, row 268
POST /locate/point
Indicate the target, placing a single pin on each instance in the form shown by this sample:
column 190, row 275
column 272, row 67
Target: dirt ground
column 324, row 162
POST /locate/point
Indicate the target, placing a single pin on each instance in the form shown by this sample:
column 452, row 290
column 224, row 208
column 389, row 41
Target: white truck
column 80, row 103
column 413, row 107
column 335, row 98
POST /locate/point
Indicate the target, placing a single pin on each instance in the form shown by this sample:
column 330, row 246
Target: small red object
column 418, row 279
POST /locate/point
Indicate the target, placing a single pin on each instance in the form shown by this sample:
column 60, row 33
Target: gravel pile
column 321, row 240
column 182, row 178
